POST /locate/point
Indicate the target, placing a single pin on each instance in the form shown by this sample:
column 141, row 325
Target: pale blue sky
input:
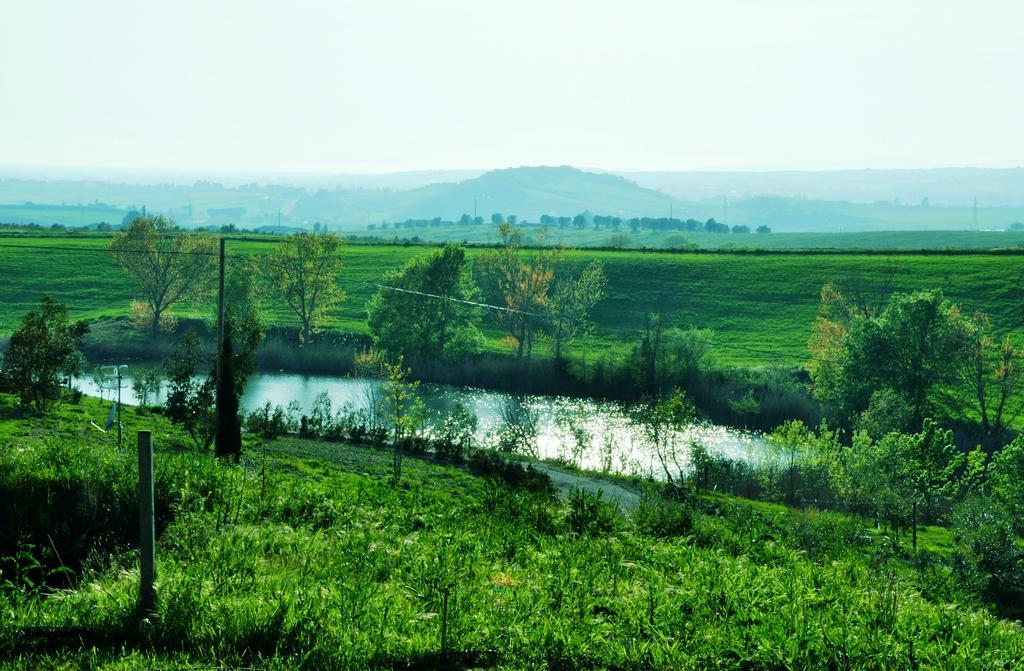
column 381, row 85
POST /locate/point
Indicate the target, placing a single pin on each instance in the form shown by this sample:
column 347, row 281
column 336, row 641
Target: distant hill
column 940, row 186
column 865, row 200
column 527, row 192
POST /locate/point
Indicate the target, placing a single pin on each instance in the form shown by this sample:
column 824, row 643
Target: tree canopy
column 42, row 351
column 303, row 273
column 168, row 266
column 416, row 315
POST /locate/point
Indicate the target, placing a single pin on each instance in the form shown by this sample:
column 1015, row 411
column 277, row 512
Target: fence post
column 147, row 526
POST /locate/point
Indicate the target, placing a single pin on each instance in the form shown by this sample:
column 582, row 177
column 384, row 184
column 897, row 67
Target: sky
column 380, row 86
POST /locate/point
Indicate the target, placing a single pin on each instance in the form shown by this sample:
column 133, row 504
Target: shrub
column 267, row 421
column 589, row 515
column 512, row 473
column 984, row 534
column 656, row 516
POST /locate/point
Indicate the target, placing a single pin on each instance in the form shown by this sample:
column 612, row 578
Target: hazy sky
column 382, row 85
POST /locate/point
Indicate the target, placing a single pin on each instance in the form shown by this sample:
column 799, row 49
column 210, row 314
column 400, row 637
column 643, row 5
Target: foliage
column 303, row 273
column 404, row 320
column 1006, row 479
column 919, row 335
column 42, row 352
column 523, row 283
column 191, row 390
column 984, row 533
column 662, row 421
column 168, row 266
column 146, row 384
column 887, row 412
column 570, row 305
column 518, row 429
column 454, row 432
column 243, row 308
column 991, row 371
column 267, row 421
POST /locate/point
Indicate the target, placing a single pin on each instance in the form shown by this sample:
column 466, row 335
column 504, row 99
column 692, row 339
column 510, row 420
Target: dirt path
column 566, row 481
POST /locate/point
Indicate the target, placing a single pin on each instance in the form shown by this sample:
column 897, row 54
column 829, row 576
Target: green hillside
column 764, row 302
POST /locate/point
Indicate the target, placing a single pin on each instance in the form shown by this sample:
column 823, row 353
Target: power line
column 452, row 299
column 488, row 306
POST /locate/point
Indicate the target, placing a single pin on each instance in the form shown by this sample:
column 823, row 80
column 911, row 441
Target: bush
column 984, row 535
column 491, row 464
column 589, row 515
column 267, row 421
column 656, row 516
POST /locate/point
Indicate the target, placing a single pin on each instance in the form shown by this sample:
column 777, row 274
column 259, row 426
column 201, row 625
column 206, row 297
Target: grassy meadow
column 760, row 306
column 305, row 556
column 627, row 239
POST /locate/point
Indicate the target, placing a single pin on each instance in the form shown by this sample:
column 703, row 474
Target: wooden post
column 147, row 526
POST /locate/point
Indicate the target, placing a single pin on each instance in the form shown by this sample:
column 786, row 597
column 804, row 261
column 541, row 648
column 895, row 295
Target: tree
column 568, row 311
column 404, row 320
column 928, row 460
column 243, row 309
column 523, row 283
column 43, row 351
column 303, row 272
column 404, row 408
column 228, row 424
column 792, row 440
column 1006, row 480
column 663, row 422
column 190, row 399
column 169, row 266
column 919, row 336
column 992, row 374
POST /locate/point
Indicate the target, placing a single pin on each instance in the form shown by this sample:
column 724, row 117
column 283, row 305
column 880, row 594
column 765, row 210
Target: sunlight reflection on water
column 590, row 433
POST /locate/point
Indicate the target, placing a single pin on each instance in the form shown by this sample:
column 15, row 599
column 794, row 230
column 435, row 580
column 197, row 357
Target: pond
column 593, row 434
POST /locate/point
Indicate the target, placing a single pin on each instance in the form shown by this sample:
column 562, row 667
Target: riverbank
column 744, row 398
column 304, row 554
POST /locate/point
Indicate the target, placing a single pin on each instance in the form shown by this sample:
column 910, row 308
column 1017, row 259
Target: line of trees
column 581, row 221
column 886, row 363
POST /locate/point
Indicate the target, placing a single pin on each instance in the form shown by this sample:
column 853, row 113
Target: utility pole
column 474, row 208
column 147, row 527
column 974, row 217
column 218, row 429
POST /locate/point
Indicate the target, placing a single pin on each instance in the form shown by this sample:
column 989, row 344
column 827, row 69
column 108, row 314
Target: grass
column 880, row 239
column 760, row 306
column 305, row 556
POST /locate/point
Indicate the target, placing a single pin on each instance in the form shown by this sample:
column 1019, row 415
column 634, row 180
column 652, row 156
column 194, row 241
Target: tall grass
column 308, row 556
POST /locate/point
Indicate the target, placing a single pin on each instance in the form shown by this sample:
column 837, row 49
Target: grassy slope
column 751, row 301
column 325, row 564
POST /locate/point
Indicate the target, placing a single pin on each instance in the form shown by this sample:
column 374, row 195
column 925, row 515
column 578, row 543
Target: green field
column 305, row 556
column 624, row 238
column 763, row 302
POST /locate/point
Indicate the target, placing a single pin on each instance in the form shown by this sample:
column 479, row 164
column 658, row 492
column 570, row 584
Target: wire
column 452, row 299
column 488, row 306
